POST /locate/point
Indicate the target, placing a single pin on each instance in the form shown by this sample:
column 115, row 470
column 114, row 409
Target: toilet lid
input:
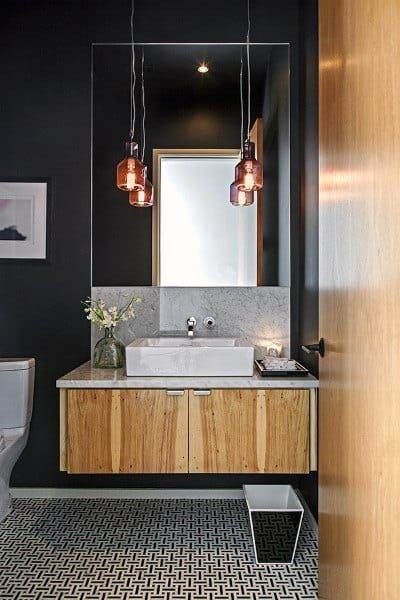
column 16, row 364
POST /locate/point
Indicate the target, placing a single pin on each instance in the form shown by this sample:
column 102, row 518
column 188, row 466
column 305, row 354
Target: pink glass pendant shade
column 131, row 173
column 142, row 198
column 249, row 172
column 239, row 197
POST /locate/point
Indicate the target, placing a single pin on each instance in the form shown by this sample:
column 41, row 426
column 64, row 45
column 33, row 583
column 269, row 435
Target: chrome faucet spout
column 191, row 324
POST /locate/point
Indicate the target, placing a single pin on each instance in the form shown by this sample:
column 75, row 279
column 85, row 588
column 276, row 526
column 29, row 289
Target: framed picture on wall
column 24, row 219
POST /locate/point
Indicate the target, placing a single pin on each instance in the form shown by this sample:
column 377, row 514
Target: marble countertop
column 85, row 376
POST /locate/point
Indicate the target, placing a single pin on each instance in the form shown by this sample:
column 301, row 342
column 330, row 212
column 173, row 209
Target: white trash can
column 276, row 514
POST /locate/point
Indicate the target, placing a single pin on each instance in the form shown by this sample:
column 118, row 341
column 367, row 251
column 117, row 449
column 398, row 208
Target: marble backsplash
column 253, row 314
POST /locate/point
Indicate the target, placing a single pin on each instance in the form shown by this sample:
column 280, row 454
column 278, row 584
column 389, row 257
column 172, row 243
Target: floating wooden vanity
column 110, row 423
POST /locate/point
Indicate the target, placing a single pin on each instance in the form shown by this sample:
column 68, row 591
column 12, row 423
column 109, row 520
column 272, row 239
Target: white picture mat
column 24, row 203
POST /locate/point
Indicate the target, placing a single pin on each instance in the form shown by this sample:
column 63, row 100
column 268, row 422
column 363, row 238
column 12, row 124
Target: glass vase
column 108, row 352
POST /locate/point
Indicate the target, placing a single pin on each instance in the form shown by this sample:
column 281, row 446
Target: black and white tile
column 79, row 549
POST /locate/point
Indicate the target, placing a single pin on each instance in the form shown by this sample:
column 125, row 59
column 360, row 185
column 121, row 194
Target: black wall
column 308, row 231
column 308, row 243
column 45, row 125
column 277, row 170
column 45, row 132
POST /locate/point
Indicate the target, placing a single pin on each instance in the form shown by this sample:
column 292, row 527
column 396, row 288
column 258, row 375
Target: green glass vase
column 108, row 352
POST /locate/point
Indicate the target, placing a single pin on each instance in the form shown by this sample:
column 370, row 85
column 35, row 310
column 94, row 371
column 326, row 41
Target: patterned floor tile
column 73, row 549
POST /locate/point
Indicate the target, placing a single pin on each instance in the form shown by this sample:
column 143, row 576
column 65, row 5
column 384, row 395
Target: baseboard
column 134, row 494
column 144, row 494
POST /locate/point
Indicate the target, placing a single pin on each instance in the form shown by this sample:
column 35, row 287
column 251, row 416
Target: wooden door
column 127, row 431
column 249, row 431
column 359, row 410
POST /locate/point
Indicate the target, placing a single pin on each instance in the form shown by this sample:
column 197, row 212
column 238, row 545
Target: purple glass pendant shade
column 249, row 172
column 131, row 173
column 239, row 197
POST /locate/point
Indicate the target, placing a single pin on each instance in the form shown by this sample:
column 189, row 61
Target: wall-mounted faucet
column 209, row 322
column 191, row 324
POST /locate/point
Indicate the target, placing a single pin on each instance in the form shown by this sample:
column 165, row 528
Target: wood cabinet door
column 127, row 431
column 249, row 431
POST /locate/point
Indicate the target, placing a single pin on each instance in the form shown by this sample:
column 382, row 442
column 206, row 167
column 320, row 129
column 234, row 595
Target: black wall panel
column 308, row 231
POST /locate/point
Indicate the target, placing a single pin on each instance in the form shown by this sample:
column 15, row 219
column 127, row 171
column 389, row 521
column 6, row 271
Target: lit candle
column 249, row 181
column 130, row 180
column 274, row 349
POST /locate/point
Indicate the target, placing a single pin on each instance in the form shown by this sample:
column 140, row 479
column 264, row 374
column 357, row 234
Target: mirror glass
column 193, row 236
column 203, row 241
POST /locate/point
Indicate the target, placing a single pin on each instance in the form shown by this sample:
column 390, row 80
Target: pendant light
column 143, row 198
column 248, row 172
column 240, row 197
column 131, row 172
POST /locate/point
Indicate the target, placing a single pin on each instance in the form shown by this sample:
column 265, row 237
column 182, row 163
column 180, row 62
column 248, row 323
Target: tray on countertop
column 299, row 371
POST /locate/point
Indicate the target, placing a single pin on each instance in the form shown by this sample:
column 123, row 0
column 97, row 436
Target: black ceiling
column 171, row 72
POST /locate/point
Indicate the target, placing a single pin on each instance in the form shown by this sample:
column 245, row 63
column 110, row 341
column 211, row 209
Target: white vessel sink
column 189, row 357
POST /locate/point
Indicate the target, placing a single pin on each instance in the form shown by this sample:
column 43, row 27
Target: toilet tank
column 17, row 376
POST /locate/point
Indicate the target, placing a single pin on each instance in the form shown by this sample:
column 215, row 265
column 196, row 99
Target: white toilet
column 17, row 377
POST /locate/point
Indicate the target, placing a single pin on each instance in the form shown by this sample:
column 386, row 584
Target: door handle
column 175, row 392
column 313, row 348
column 201, row 392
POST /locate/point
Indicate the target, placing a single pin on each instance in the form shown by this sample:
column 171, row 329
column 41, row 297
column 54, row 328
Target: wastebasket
column 276, row 514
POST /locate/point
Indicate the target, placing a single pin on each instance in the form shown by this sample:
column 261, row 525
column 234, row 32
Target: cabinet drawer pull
column 201, row 392
column 175, row 392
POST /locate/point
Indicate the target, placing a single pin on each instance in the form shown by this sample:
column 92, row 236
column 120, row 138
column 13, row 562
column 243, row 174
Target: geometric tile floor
column 102, row 549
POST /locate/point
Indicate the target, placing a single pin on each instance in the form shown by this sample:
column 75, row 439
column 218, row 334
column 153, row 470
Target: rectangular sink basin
column 188, row 357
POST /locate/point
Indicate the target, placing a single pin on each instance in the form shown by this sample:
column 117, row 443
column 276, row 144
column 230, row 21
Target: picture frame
column 25, row 211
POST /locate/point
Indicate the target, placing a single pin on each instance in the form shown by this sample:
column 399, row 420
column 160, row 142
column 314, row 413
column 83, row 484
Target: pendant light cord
column 143, row 109
column 248, row 68
column 133, row 75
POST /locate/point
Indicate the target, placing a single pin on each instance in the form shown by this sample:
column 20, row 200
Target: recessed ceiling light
column 203, row 68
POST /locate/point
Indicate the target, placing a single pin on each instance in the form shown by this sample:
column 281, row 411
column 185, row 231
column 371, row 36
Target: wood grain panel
column 313, row 430
column 359, row 406
column 249, row 431
column 127, row 431
column 89, row 431
column 155, row 432
column 63, row 430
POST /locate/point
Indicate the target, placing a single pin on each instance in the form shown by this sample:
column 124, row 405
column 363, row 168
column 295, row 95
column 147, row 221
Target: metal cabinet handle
column 313, row 348
column 175, row 392
column 201, row 392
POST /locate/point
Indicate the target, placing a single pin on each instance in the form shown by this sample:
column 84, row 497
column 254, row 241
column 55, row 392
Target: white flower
column 97, row 312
